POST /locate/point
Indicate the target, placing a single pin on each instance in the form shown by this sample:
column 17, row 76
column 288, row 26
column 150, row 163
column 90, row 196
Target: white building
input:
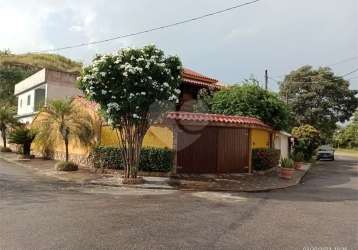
column 282, row 143
column 36, row 90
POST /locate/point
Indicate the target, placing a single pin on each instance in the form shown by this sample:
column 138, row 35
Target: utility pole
column 266, row 79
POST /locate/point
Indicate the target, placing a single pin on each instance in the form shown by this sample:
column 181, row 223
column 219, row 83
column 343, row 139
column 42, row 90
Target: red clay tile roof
column 239, row 121
column 194, row 78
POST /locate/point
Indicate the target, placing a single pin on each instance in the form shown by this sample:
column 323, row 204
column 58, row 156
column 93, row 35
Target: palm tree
column 7, row 120
column 23, row 136
column 63, row 119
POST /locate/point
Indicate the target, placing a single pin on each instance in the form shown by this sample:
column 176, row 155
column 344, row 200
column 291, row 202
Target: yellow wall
column 157, row 136
column 260, row 138
column 74, row 146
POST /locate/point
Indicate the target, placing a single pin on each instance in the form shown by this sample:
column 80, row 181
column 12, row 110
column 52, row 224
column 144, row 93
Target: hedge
column 151, row 159
column 265, row 158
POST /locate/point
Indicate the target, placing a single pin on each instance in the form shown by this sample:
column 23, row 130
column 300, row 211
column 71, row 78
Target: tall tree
column 348, row 135
column 7, row 121
column 249, row 99
column 318, row 97
column 132, row 87
column 64, row 120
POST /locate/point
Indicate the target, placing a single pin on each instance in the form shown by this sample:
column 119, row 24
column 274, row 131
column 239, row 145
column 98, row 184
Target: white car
column 325, row 152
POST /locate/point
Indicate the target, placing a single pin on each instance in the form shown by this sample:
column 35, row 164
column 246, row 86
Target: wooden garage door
column 233, row 150
column 197, row 151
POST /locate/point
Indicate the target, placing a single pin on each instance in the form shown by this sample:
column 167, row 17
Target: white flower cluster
column 113, row 106
column 101, row 78
column 129, row 68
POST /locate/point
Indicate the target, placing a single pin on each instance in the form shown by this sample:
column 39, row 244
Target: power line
column 336, row 63
column 349, row 73
column 279, row 82
column 343, row 61
column 355, row 77
column 150, row 29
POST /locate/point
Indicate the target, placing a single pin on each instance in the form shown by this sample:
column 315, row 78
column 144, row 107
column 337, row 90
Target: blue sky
column 279, row 35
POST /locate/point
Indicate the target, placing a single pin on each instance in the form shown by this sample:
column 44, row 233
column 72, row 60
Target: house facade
column 36, row 90
column 46, row 85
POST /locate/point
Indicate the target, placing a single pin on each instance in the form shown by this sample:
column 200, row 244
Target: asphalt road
column 43, row 213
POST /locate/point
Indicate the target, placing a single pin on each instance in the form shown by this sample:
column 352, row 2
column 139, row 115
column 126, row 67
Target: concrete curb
column 132, row 186
column 258, row 190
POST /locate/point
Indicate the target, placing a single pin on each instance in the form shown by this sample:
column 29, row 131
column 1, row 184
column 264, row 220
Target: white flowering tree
column 127, row 85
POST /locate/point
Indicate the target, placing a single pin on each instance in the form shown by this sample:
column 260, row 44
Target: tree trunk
column 27, row 150
column 66, row 150
column 3, row 135
column 131, row 139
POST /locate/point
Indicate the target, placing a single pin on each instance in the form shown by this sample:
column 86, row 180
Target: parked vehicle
column 325, row 152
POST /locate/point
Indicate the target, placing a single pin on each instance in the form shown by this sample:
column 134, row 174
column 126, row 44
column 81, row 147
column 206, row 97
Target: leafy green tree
column 347, row 137
column 308, row 140
column 9, row 76
column 7, row 121
column 64, row 120
column 318, row 97
column 133, row 87
column 249, row 99
column 23, row 136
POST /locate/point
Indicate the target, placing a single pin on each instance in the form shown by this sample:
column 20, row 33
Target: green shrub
column 298, row 156
column 66, row 166
column 265, row 158
column 308, row 140
column 156, row 160
column 24, row 137
column 5, row 150
column 151, row 159
column 287, row 163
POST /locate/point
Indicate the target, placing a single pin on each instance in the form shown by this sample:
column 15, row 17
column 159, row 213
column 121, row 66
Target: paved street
column 43, row 213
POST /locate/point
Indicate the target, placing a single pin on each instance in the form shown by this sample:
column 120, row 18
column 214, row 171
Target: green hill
column 39, row 61
column 14, row 68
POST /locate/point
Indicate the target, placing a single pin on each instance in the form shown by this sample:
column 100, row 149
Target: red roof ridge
column 218, row 118
column 191, row 74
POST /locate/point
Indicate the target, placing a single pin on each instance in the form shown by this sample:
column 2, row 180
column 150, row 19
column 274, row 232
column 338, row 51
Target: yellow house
column 159, row 136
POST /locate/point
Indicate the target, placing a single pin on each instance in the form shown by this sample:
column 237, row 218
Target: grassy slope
column 347, row 152
column 39, row 61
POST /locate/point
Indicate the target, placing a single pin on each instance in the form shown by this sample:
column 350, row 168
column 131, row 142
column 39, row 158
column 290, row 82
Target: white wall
column 284, row 146
column 281, row 143
column 31, row 81
column 23, row 107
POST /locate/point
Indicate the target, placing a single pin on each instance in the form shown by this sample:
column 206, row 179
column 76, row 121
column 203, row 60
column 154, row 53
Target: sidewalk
column 84, row 176
column 242, row 183
column 229, row 183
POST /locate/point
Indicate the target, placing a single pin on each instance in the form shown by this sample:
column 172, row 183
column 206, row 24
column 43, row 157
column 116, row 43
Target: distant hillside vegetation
column 39, row 61
column 14, row 68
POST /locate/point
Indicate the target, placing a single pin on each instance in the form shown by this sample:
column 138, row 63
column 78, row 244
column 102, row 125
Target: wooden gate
column 197, row 152
column 233, row 150
column 213, row 150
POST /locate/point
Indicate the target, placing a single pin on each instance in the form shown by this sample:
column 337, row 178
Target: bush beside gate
column 151, row 159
